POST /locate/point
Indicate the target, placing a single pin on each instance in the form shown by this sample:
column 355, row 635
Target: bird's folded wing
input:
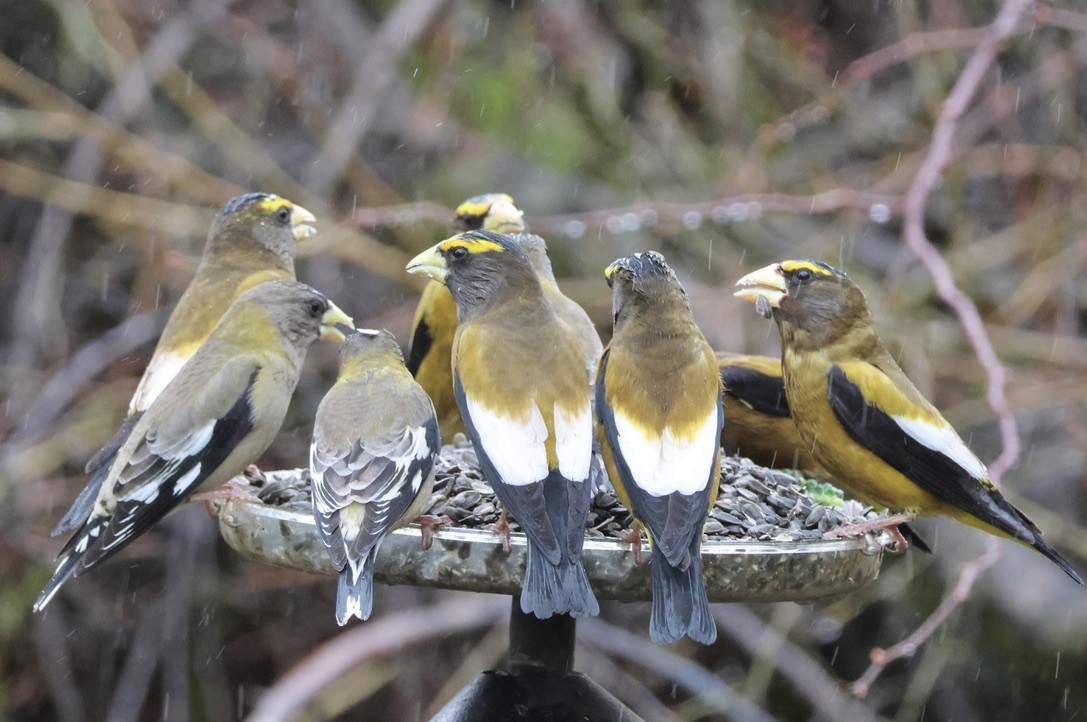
column 668, row 480
column 173, row 458
column 912, row 440
column 513, row 456
column 762, row 392
column 384, row 473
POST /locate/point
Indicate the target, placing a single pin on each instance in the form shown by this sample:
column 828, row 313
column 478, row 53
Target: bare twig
column 968, row 574
column 291, row 693
column 664, row 216
column 926, row 180
column 806, row 675
column 696, row 679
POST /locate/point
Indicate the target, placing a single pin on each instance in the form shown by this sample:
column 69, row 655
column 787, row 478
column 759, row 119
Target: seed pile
column 753, row 503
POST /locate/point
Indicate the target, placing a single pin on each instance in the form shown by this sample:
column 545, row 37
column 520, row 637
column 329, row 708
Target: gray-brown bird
column 375, row 442
column 252, row 240
column 218, row 414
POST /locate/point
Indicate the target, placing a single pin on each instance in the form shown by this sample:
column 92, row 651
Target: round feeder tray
column 473, row 559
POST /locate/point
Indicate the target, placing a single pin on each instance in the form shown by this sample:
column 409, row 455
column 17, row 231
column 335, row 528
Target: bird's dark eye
column 458, row 253
column 803, row 275
column 283, row 215
column 317, row 307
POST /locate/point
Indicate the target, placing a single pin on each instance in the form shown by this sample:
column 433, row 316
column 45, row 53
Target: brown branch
column 710, row 689
column 663, row 216
column 916, row 202
column 287, row 697
column 968, row 574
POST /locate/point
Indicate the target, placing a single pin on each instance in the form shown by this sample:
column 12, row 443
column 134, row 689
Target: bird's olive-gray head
column 273, row 222
column 479, row 267
column 809, row 296
column 301, row 313
column 640, row 280
column 365, row 342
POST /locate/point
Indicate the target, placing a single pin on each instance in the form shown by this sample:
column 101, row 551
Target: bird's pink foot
column 253, row 473
column 888, row 524
column 237, row 489
column 502, row 528
column 428, row 524
column 633, row 536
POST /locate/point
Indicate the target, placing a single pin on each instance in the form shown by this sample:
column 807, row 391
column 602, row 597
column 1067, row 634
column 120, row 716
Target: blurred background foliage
column 727, row 135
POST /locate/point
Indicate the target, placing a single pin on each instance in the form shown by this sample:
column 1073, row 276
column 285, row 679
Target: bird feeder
column 539, row 672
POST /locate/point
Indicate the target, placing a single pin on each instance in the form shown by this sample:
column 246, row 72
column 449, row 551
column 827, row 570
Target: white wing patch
column 574, row 442
column 156, row 377
column 514, row 446
column 943, row 439
column 191, row 444
column 664, row 465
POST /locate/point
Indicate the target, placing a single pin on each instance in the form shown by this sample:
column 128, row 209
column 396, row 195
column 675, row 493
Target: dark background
column 728, row 126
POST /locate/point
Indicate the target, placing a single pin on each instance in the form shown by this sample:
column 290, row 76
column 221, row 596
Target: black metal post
column 539, row 683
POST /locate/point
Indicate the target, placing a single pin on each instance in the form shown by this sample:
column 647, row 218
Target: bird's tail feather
column 556, row 589
column 355, row 591
column 68, row 565
column 83, row 505
column 680, row 605
column 1051, row 554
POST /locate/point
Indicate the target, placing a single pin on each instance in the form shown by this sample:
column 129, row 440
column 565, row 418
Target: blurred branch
column 661, row 215
column 805, row 674
column 374, row 77
column 696, row 679
column 324, row 665
column 968, row 574
column 127, row 209
column 916, row 203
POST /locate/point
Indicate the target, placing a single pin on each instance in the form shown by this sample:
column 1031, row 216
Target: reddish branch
column 916, row 201
column 968, row 574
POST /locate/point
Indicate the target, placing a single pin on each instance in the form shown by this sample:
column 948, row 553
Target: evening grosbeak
column 435, row 323
column 252, row 240
column 436, row 318
column 520, row 382
column 864, row 421
column 375, row 441
column 759, row 425
column 658, row 401
column 218, row 414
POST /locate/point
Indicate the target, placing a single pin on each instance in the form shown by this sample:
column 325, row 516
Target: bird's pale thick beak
column 767, row 283
column 332, row 316
column 429, row 263
column 302, row 223
column 504, row 217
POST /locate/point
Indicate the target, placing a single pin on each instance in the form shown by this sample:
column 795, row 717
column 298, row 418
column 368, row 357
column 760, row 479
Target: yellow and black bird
column 758, row 423
column 375, row 441
column 658, row 401
column 215, row 417
column 435, row 321
column 520, row 382
column 868, row 426
column 252, row 240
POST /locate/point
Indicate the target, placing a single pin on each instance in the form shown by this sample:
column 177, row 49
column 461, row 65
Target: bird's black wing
column 762, row 392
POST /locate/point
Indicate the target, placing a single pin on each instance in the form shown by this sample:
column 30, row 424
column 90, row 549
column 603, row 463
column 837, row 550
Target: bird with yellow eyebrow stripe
column 252, row 240
column 658, row 401
column 520, row 381
column 436, row 315
column 864, row 421
column 435, row 322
